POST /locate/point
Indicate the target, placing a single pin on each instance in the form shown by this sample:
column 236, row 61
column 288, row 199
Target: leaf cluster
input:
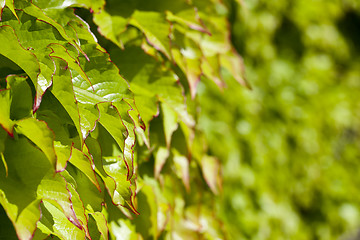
column 98, row 116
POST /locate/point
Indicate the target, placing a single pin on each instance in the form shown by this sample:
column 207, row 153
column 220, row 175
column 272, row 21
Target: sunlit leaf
column 211, row 169
column 56, row 223
column 54, row 189
column 160, row 158
column 17, row 53
column 170, row 122
column 101, row 225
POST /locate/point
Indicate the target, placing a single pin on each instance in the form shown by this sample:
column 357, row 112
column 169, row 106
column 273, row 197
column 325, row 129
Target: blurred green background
column 290, row 146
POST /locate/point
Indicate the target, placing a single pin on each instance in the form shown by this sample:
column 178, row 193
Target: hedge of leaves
column 126, row 120
column 98, row 117
column 291, row 146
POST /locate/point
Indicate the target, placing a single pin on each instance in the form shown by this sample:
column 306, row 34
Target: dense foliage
column 291, row 146
column 98, row 112
column 126, row 120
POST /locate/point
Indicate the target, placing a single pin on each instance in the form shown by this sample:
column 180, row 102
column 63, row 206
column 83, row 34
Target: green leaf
column 181, row 164
column 101, row 225
column 123, row 229
column 36, row 12
column 35, row 60
column 148, row 108
column 27, row 166
column 62, row 89
column 16, row 53
column 6, row 228
column 112, row 169
column 99, row 68
column 59, row 122
column 79, row 208
column 2, row 4
column 55, row 189
column 5, row 102
column 111, row 26
column 138, row 121
column 161, row 155
column 85, row 117
column 210, row 167
column 124, row 193
column 156, row 29
column 10, row 5
column 63, row 154
column 3, row 136
column 56, row 223
column 116, row 120
column 91, row 198
column 112, row 122
column 21, row 104
column 84, row 164
column 235, row 65
column 160, row 207
column 107, row 83
column 125, row 110
column 148, row 208
column 25, row 221
column 94, row 5
column 187, row 16
column 39, row 133
column 188, row 57
column 148, row 80
column 170, row 122
column 61, row 52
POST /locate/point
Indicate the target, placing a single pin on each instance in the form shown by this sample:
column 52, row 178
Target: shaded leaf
column 62, row 89
column 6, row 228
column 111, row 26
column 39, row 133
column 84, row 164
column 146, row 222
column 181, row 164
column 156, row 29
column 21, row 96
column 5, row 102
column 27, row 165
column 92, row 199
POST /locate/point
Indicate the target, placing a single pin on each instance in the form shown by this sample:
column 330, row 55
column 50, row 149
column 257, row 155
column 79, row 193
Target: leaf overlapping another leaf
column 85, row 117
column 203, row 46
column 69, row 69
